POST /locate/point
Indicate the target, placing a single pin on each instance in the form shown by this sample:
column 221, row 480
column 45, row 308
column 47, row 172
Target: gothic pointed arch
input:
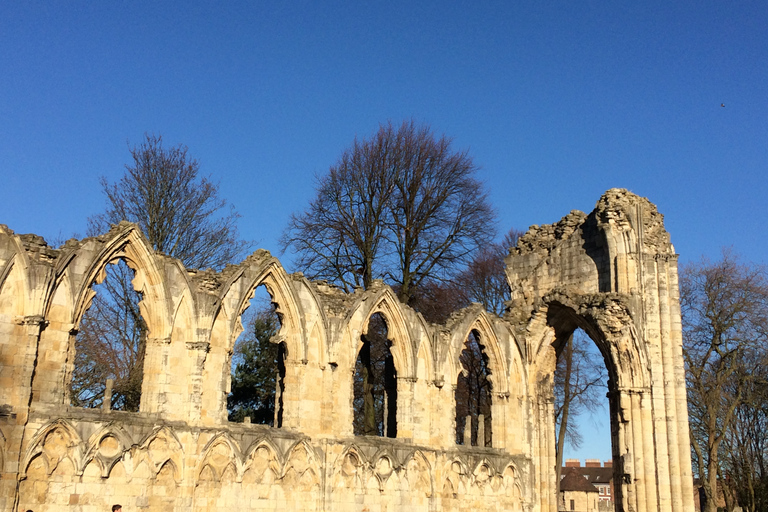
column 125, row 241
column 262, row 269
column 220, row 452
column 607, row 319
column 54, row 442
column 383, row 300
column 475, row 318
column 160, row 446
column 106, row 446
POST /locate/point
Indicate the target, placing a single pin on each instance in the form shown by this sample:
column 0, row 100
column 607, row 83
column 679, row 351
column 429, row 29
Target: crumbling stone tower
column 612, row 273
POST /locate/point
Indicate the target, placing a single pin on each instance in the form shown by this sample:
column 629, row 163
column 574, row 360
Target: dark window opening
column 473, row 395
column 258, row 366
column 375, row 384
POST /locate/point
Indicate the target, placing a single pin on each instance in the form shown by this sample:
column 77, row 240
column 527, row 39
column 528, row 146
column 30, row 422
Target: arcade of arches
column 612, row 273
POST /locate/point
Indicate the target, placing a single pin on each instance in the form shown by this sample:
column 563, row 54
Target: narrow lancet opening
column 258, row 365
column 107, row 363
column 473, row 395
column 375, row 383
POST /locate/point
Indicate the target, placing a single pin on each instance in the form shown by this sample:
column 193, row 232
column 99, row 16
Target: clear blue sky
column 556, row 101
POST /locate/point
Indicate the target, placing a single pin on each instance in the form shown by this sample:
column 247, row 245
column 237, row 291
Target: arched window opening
column 375, row 383
column 108, row 360
column 582, row 430
column 473, row 395
column 258, row 366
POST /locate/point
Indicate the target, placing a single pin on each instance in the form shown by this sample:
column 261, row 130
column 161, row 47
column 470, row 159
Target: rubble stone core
column 612, row 273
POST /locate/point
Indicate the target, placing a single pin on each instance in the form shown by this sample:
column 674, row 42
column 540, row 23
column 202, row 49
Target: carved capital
column 31, row 320
column 199, row 345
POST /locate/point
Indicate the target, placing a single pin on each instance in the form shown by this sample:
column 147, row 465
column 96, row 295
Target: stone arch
column 478, row 320
column 220, row 452
column 175, row 471
column 277, row 282
column 384, row 301
column 54, row 442
column 126, row 242
column 301, row 466
column 160, row 446
column 455, row 476
column 106, row 446
column 418, row 472
column 70, row 292
column 255, row 461
column 348, row 469
column 299, row 446
column 14, row 285
column 511, row 479
column 608, row 322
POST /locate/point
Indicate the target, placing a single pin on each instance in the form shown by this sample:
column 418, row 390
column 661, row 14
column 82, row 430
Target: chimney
column 592, row 463
column 608, row 464
column 572, row 463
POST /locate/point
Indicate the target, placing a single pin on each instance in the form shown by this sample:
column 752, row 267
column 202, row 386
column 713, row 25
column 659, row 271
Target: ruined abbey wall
column 612, row 273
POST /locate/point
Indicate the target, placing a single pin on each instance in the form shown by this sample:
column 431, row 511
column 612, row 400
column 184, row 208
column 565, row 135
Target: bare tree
column 579, row 382
column 179, row 211
column 401, row 205
column 183, row 216
column 725, row 334
column 484, row 279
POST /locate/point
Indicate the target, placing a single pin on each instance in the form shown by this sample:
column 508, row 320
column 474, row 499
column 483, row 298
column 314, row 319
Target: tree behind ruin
column 402, row 206
column 182, row 215
column 725, row 334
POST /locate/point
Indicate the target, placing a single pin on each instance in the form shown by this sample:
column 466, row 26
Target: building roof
column 597, row 475
column 573, row 480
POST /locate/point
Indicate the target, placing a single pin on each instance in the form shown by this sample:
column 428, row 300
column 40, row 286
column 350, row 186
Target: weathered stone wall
column 612, row 272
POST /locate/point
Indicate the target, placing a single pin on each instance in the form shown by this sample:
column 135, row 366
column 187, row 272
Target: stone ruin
column 612, row 273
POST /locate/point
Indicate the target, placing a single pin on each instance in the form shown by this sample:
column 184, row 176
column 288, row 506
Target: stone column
column 626, row 489
column 156, row 376
column 684, row 499
column 53, row 358
column 292, row 393
column 405, row 407
column 197, row 353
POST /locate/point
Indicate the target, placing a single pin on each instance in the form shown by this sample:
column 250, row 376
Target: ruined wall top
column 582, row 253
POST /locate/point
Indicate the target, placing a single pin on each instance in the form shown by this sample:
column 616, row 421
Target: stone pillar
column 292, row 393
column 624, row 452
column 405, row 407
column 106, row 404
column 54, row 349
column 156, row 376
column 681, row 433
column 481, row 430
column 19, row 357
column 197, row 353
column 468, row 431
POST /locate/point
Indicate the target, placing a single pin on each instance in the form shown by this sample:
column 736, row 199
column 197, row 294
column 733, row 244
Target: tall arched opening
column 474, row 395
column 107, row 354
column 258, row 365
column 375, row 383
